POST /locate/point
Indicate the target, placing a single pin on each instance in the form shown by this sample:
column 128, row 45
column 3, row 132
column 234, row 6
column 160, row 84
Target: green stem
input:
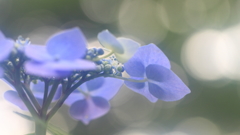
column 22, row 94
column 50, row 97
column 40, row 127
column 31, row 96
column 68, row 92
column 105, row 56
column 128, row 79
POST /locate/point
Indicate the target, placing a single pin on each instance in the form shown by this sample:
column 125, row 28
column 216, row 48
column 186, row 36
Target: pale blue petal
column 165, row 84
column 129, row 49
column 38, row 90
column 141, row 88
column 89, row 109
column 39, row 69
column 150, row 54
column 109, row 41
column 13, row 97
column 64, row 65
column 109, row 88
column 6, row 46
column 135, row 68
column 95, row 83
column 38, row 87
column 37, row 53
column 69, row 44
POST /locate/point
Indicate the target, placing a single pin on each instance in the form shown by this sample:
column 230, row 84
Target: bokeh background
column 200, row 37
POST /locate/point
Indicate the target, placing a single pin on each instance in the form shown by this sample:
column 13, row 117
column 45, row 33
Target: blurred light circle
column 233, row 34
column 135, row 112
column 198, row 126
column 171, row 13
column 198, row 55
column 139, row 18
column 102, row 11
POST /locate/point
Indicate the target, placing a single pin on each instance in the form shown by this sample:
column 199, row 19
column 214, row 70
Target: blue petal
column 141, row 88
column 64, row 65
column 38, row 87
column 135, row 68
column 95, row 83
column 89, row 109
column 109, row 88
column 39, row 69
column 129, row 48
column 6, row 46
column 38, row 53
column 165, row 84
column 13, row 97
column 73, row 97
column 150, row 54
column 69, row 44
column 109, row 41
column 38, row 90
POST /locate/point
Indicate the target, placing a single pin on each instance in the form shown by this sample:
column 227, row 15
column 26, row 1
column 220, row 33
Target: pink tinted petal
column 38, row 53
column 13, row 97
column 69, row 44
column 89, row 109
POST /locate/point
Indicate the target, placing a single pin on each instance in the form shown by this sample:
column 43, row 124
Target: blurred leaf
column 51, row 128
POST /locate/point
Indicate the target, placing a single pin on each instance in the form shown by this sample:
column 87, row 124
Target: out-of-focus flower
column 6, row 46
column 151, row 64
column 38, row 91
column 61, row 55
column 123, row 48
column 90, row 100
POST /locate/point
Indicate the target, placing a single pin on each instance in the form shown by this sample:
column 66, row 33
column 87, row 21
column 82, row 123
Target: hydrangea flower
column 6, row 46
column 123, row 48
column 61, row 55
column 90, row 100
column 38, row 91
column 151, row 64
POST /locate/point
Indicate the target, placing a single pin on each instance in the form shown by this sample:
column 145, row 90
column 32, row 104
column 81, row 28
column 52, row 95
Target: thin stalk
column 128, row 79
column 31, row 96
column 105, row 56
column 50, row 97
column 68, row 92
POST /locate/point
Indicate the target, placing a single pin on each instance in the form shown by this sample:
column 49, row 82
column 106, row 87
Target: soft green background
column 213, row 107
